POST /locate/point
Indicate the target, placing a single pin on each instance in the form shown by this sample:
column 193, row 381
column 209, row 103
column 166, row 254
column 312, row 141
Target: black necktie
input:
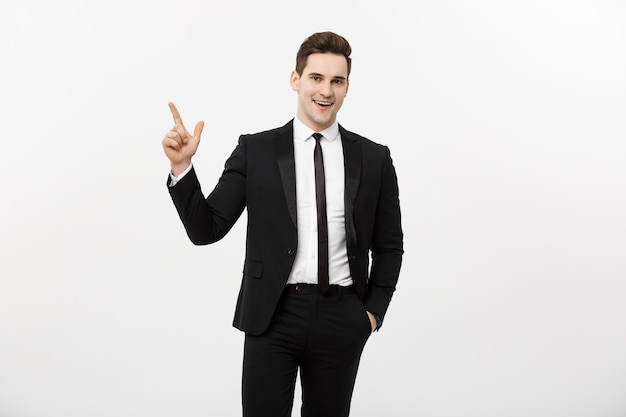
column 322, row 225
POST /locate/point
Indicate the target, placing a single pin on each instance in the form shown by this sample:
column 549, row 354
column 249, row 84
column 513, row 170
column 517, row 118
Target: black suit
column 260, row 176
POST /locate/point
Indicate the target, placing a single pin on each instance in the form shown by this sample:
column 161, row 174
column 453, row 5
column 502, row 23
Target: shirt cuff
column 174, row 179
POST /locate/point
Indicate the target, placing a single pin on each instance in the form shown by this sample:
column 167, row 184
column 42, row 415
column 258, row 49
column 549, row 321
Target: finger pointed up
column 175, row 114
column 198, row 129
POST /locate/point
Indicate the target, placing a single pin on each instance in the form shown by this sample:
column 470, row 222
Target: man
column 320, row 200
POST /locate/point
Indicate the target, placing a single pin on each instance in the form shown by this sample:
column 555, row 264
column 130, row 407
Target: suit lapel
column 352, row 166
column 283, row 145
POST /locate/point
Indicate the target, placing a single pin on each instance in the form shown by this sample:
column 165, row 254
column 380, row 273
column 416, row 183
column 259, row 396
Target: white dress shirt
column 304, row 268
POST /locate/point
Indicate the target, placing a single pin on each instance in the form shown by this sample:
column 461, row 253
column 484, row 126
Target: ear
column 294, row 80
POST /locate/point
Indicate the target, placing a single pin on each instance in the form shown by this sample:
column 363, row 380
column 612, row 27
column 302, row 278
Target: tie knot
column 317, row 136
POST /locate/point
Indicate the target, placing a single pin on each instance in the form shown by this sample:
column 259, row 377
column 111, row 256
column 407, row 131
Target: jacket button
column 352, row 257
column 291, row 252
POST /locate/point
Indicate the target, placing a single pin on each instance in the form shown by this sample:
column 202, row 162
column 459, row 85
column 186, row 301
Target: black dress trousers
column 322, row 335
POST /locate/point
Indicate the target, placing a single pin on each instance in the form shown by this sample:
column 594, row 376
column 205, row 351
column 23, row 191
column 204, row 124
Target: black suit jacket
column 260, row 176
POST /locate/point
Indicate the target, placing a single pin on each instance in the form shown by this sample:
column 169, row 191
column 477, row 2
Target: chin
column 324, row 121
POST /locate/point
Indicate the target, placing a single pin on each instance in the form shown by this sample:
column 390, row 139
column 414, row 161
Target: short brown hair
column 323, row 42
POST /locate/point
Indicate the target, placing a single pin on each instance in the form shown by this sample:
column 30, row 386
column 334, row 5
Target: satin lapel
column 283, row 145
column 352, row 166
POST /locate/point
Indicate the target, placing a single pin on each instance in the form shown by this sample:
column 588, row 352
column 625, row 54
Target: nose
column 325, row 89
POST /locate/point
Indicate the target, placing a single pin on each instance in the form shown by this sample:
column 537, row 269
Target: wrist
column 379, row 320
column 375, row 320
column 179, row 168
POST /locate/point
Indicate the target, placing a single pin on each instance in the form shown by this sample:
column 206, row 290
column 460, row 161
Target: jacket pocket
column 253, row 269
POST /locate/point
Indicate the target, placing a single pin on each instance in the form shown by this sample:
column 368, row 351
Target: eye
column 338, row 81
column 316, row 78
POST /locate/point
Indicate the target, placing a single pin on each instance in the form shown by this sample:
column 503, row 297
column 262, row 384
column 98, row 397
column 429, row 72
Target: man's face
column 321, row 89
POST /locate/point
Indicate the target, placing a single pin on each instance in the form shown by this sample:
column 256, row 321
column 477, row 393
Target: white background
column 507, row 124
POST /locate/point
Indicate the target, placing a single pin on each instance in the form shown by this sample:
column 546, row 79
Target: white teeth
column 324, row 103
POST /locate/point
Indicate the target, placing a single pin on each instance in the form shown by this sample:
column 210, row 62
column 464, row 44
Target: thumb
column 198, row 129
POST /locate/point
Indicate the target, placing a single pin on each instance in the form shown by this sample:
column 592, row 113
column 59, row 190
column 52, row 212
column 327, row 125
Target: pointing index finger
column 175, row 114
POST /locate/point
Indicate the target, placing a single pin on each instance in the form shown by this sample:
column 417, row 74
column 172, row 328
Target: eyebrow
column 336, row 77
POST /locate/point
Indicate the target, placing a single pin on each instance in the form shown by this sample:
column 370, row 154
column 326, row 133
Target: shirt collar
column 302, row 132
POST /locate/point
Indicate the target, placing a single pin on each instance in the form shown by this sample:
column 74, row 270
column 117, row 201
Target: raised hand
column 179, row 145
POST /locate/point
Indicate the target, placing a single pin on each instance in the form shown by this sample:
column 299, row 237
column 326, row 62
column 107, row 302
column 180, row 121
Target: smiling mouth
column 323, row 103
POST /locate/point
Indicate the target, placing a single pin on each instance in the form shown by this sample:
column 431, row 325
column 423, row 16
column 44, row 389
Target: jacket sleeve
column 207, row 220
column 387, row 243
